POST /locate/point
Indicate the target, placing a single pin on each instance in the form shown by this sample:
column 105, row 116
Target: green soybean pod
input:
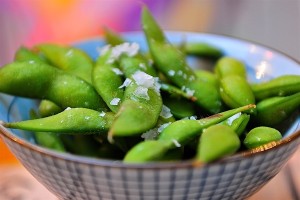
column 41, row 81
column 183, row 131
column 107, row 80
column 111, row 37
column 202, row 49
column 207, row 76
column 148, row 150
column 75, row 121
column 262, row 135
column 226, row 66
column 274, row 110
column 150, row 26
column 70, row 59
column 237, row 122
column 25, row 54
column 48, row 139
column 138, row 103
column 180, row 107
column 281, row 86
column 217, row 142
column 48, row 108
column 236, row 91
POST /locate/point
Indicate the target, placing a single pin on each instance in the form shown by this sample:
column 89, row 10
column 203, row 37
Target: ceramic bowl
column 235, row 177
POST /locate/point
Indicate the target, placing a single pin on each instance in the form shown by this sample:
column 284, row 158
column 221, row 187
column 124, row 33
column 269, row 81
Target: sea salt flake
column 233, row 117
column 117, row 71
column 115, row 101
column 165, row 112
column 163, row 126
column 171, row 72
column 102, row 114
column 126, row 83
column 68, row 108
column 143, row 79
column 142, row 92
column 176, row 143
column 151, row 134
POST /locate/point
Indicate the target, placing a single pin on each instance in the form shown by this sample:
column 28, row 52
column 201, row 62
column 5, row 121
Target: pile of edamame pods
column 146, row 106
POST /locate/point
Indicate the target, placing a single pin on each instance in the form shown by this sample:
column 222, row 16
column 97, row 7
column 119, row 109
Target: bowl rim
column 5, row 133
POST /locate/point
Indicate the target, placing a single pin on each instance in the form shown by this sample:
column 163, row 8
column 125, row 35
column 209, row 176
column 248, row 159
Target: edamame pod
column 151, row 28
column 138, row 102
column 112, row 37
column 274, row 110
column 216, row 142
column 107, row 80
column 48, row 108
column 237, row 122
column 208, row 77
column 202, row 49
column 236, row 92
column 69, row 59
column 41, row 81
column 226, row 66
column 260, row 136
column 148, row 150
column 281, row 86
column 25, row 54
column 74, row 120
column 183, row 131
column 47, row 139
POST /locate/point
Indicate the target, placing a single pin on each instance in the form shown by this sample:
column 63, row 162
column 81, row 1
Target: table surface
column 17, row 183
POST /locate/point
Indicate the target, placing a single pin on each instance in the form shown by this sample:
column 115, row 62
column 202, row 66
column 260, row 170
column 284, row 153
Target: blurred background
column 275, row 23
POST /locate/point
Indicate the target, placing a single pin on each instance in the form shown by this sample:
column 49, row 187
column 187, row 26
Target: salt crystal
column 176, row 143
column 171, row 72
column 115, row 101
column 142, row 92
column 143, row 79
column 117, row 71
column 233, row 117
column 163, row 126
column 150, row 135
column 165, row 112
column 102, row 114
column 126, row 83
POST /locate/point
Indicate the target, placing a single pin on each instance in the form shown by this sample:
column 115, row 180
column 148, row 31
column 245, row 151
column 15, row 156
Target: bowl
column 234, row 177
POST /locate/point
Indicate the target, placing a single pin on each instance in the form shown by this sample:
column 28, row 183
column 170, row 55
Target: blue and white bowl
column 235, row 177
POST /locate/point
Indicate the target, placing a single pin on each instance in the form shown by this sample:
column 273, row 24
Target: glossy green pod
column 202, row 49
column 207, row 76
column 74, row 120
column 183, row 131
column 236, row 92
column 226, row 66
column 25, row 54
column 47, row 139
column 260, row 136
column 274, row 110
column 111, row 37
column 180, row 107
column 217, row 142
column 281, row 86
column 41, row 81
column 148, row 150
column 107, row 80
column 238, row 122
column 138, row 103
column 48, row 108
column 69, row 59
